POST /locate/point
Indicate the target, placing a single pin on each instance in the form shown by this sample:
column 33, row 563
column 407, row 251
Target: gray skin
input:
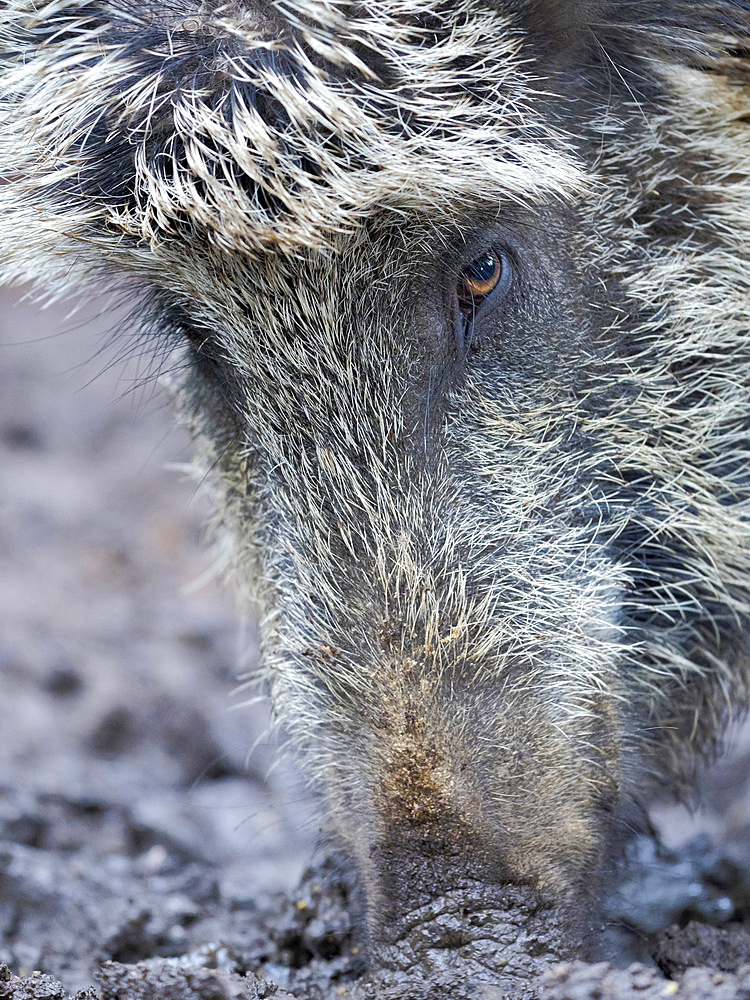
column 500, row 552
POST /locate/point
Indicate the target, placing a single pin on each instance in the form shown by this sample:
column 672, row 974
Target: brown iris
column 478, row 280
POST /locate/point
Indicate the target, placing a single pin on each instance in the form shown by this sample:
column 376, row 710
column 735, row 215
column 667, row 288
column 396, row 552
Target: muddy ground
column 148, row 849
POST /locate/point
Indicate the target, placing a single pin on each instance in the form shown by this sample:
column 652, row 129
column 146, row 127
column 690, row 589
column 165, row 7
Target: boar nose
column 443, row 900
column 442, row 911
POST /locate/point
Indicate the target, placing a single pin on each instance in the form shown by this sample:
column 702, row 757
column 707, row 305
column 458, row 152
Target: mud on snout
column 479, row 817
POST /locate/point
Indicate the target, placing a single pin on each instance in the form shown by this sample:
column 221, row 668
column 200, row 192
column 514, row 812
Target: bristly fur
column 502, row 587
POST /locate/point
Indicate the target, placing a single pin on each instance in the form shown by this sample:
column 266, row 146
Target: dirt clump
column 579, row 981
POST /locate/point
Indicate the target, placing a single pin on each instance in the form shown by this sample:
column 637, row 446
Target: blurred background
column 118, row 652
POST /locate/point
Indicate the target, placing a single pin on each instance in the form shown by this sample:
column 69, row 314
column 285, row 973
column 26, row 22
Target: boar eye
column 477, row 281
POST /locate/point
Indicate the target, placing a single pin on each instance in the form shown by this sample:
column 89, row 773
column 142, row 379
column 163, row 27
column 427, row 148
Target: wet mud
column 169, row 935
column 149, row 848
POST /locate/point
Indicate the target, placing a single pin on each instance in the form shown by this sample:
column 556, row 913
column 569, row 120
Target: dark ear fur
column 564, row 24
column 679, row 26
column 690, row 16
column 609, row 43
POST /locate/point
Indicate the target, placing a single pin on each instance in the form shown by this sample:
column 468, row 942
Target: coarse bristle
column 501, row 554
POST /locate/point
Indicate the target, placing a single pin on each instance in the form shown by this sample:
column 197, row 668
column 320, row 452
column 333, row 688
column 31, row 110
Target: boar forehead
column 285, row 127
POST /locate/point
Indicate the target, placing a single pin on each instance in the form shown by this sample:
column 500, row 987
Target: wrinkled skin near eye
column 487, row 276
